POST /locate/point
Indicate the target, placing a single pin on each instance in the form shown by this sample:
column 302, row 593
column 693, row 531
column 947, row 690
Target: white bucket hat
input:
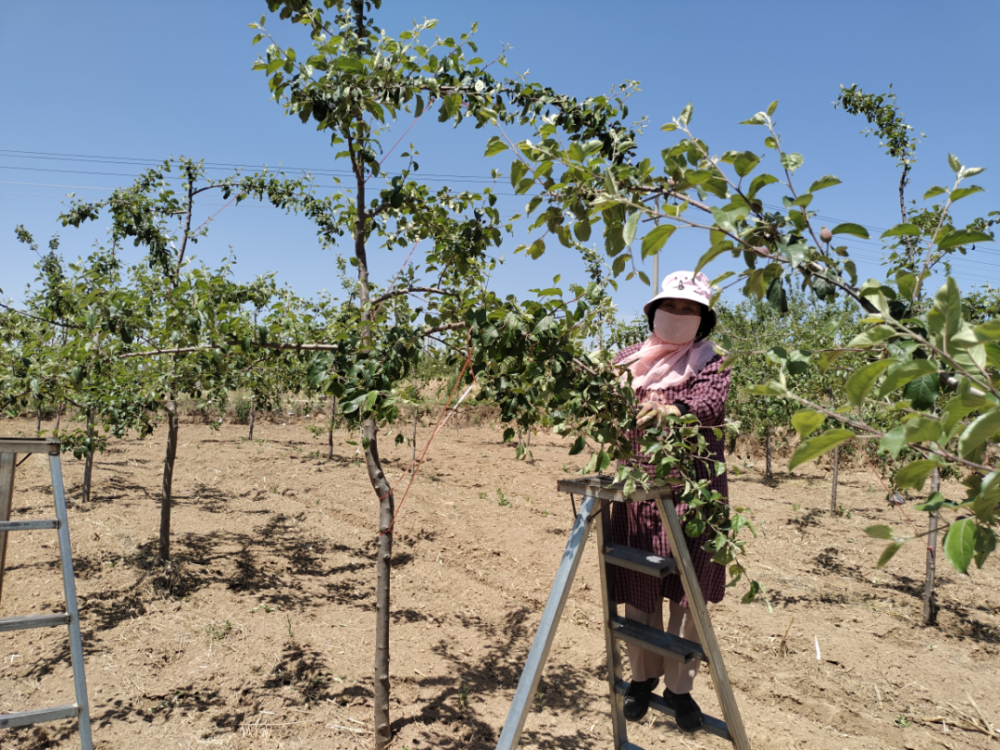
column 683, row 285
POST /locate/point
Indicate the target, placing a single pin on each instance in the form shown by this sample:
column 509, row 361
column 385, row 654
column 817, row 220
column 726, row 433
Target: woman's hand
column 652, row 414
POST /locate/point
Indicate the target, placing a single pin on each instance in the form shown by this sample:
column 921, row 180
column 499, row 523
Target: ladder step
column 48, row 523
column 665, row 644
column 656, row 702
column 26, row 622
column 636, row 559
column 26, row 718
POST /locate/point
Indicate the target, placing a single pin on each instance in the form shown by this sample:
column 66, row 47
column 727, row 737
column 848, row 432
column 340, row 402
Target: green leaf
column 946, row 315
column 982, row 429
column 817, row 446
column 960, row 544
column 654, row 241
column 776, row 296
column 853, row 229
column 824, row 182
column 954, row 163
column 893, row 441
column 685, row 115
column 957, row 408
column 578, row 446
column 868, row 338
column 932, row 505
column 901, row 374
column 350, row 64
column 914, row 474
column 668, row 127
column 888, row 553
column 807, row 421
column 757, row 119
column 517, row 170
column 958, row 193
column 902, row 230
column 861, row 381
column 962, row 237
column 986, row 543
column 934, row 191
column 922, row 430
column 772, row 107
column 879, row 531
column 760, row 181
column 628, row 231
column 495, row 145
column 907, row 284
column 709, row 256
column 746, row 163
column 988, row 331
column 922, row 392
column 791, row 162
column 419, row 110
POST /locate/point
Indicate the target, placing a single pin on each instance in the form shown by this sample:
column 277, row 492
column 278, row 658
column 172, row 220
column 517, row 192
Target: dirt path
column 260, row 634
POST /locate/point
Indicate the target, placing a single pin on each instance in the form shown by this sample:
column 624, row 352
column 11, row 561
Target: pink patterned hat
column 683, row 285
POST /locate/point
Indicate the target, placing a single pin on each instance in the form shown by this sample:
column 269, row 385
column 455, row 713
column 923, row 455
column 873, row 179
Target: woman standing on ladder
column 674, row 372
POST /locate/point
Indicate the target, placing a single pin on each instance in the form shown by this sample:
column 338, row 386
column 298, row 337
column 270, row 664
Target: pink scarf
column 660, row 365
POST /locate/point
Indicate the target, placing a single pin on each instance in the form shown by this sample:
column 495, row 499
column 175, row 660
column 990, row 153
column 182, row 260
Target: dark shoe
column 637, row 698
column 687, row 714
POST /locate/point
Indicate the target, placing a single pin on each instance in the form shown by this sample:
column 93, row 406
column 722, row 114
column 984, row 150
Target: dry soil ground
column 259, row 635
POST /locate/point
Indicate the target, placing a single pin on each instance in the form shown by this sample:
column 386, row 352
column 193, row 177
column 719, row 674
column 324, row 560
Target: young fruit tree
column 530, row 357
column 190, row 326
column 918, row 344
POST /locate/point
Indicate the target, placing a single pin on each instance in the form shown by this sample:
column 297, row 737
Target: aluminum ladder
column 600, row 490
column 9, row 448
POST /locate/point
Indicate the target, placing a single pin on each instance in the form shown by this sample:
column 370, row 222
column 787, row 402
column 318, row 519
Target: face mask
column 675, row 329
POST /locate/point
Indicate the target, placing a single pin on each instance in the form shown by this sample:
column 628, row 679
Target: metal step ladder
column 9, row 448
column 599, row 490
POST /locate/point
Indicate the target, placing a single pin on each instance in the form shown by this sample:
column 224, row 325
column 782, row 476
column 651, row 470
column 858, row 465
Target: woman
column 675, row 371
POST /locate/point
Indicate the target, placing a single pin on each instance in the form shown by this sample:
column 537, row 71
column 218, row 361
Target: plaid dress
column 638, row 524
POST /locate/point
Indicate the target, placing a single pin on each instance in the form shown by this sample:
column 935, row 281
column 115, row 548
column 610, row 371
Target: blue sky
column 94, row 89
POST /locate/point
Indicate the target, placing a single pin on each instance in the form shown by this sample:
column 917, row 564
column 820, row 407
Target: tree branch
column 410, row 290
column 207, row 347
column 43, row 320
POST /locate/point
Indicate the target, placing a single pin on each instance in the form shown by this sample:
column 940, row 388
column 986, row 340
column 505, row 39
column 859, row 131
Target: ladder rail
column 510, row 735
column 69, row 589
column 703, row 624
column 80, row 710
column 618, row 724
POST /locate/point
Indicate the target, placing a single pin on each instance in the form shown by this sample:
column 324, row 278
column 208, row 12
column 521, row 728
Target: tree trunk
column 88, row 466
column 253, row 410
column 168, row 479
column 833, row 490
column 329, row 431
column 38, row 422
column 386, row 501
column 767, row 456
column 58, row 416
column 930, row 609
column 387, row 508
column 413, row 462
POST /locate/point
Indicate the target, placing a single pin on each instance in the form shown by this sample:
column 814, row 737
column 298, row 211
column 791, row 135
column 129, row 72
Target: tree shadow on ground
column 450, row 718
column 181, row 702
column 829, row 562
